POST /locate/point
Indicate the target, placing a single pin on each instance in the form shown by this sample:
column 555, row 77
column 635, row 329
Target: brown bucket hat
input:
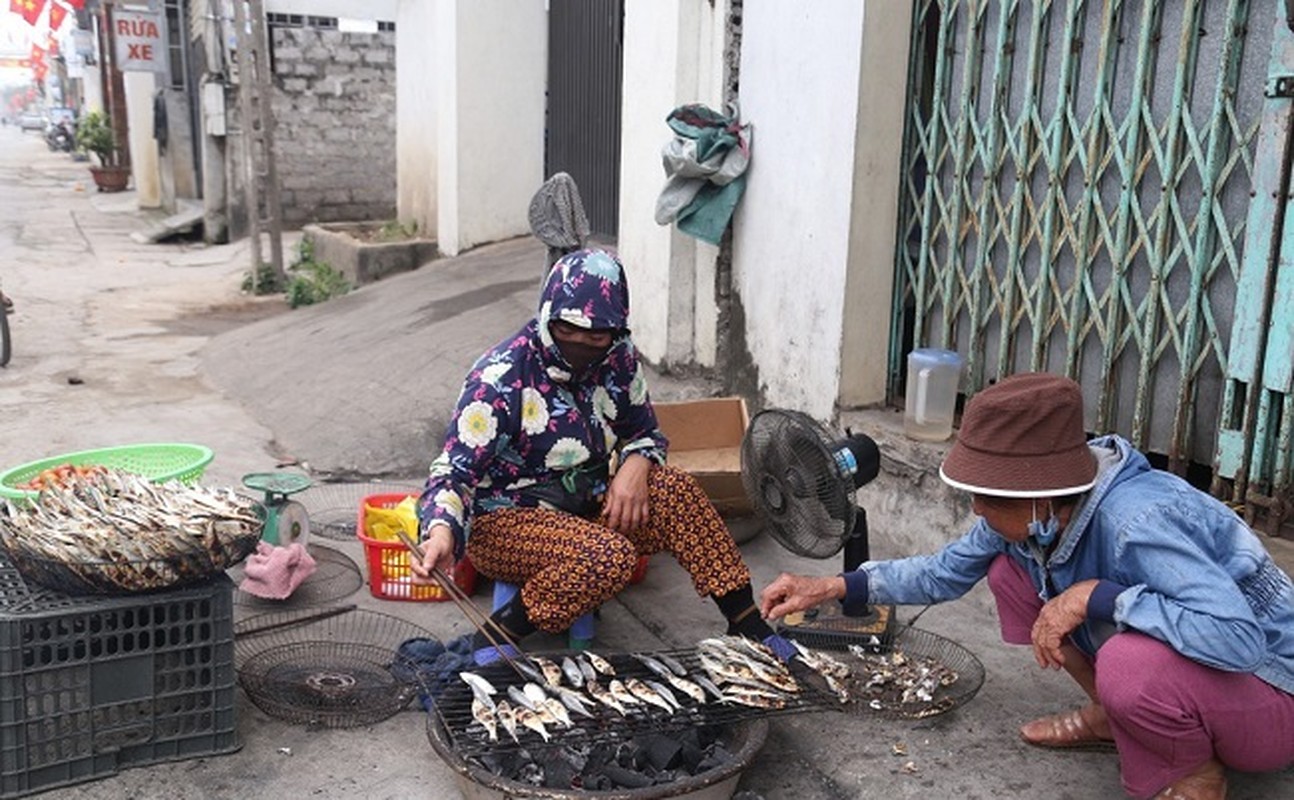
column 1022, row 437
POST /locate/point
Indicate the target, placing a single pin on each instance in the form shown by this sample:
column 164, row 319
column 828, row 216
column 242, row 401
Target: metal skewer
column 479, row 620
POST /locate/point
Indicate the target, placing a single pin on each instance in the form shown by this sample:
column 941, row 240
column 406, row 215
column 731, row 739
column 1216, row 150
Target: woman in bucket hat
column 1154, row 596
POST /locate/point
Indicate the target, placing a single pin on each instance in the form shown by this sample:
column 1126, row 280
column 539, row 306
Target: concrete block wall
column 334, row 111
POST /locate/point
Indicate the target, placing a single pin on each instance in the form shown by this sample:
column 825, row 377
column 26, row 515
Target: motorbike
column 61, row 137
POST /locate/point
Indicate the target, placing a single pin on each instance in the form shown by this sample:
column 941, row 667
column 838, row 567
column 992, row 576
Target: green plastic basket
column 157, row 462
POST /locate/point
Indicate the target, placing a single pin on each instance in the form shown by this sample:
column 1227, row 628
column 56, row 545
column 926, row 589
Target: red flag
column 31, row 10
column 77, row 4
column 57, row 14
column 15, row 6
column 51, row 46
column 37, row 54
column 39, row 70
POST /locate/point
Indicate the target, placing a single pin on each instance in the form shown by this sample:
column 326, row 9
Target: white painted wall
column 383, row 10
column 799, row 86
column 415, row 111
column 491, row 58
column 144, row 162
column 673, row 54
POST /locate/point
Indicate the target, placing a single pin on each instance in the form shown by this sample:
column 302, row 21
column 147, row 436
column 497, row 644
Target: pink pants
column 1168, row 713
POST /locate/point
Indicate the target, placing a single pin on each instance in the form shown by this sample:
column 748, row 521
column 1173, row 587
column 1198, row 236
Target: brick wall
column 334, row 110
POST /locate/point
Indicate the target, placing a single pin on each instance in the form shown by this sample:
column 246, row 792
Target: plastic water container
column 933, row 376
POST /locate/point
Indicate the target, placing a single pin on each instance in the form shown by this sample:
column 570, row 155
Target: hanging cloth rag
column 557, row 216
column 705, row 170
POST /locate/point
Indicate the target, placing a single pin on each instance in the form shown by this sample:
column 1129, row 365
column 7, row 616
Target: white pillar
column 491, row 74
column 415, row 109
column 673, row 55
column 145, row 167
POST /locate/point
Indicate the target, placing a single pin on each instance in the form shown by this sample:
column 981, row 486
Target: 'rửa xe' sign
column 140, row 46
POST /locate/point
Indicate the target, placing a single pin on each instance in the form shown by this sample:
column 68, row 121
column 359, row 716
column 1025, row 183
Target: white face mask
column 1044, row 532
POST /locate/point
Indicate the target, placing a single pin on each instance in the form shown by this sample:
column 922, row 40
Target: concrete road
column 117, row 342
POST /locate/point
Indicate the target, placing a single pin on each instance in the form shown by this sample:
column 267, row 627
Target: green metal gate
column 1077, row 199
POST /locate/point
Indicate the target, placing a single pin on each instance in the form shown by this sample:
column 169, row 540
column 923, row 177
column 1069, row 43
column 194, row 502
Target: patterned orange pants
column 567, row 566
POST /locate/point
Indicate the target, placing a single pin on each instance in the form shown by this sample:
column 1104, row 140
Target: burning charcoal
column 662, row 752
column 665, row 776
column 532, row 774
column 559, row 775
column 715, row 757
column 690, row 753
column 595, row 782
column 626, row 778
column 574, row 757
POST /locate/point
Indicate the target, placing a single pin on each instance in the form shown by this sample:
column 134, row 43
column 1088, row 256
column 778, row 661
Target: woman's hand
column 791, row 593
column 625, row 508
column 437, row 551
column 1060, row 615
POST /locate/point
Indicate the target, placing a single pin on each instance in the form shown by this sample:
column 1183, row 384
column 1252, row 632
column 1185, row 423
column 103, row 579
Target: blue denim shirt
column 1179, row 565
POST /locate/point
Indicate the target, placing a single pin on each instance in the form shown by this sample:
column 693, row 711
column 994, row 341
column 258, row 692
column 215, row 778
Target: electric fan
column 801, row 481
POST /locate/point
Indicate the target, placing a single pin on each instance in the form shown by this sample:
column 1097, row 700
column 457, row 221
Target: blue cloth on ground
column 432, row 666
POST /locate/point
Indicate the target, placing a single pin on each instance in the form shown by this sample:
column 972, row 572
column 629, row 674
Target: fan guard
column 792, row 475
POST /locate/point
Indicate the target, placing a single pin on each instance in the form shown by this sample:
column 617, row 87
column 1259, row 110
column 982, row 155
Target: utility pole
column 261, row 179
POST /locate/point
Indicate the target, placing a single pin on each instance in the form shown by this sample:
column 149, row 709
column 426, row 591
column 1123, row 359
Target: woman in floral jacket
column 524, row 483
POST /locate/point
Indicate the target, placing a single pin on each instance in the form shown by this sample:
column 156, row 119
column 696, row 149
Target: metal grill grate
column 468, row 737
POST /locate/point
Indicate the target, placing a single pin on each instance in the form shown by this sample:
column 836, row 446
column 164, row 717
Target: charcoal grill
column 469, row 738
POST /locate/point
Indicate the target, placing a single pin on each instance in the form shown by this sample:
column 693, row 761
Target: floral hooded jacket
column 526, row 418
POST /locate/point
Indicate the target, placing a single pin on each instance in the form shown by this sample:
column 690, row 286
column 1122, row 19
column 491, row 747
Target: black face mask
column 581, row 356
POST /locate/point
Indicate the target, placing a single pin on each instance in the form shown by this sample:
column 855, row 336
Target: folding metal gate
column 585, row 43
column 1077, row 199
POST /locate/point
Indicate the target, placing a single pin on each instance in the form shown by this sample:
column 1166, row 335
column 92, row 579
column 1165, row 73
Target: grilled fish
column 664, row 691
column 574, row 701
column 487, row 717
column 519, row 697
column 645, row 693
column 606, row 698
column 621, row 692
column 552, row 672
column 481, row 688
column 507, row 717
column 557, row 711
column 599, row 663
column 574, row 676
column 532, row 721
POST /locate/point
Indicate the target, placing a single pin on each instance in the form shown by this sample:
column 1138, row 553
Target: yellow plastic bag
column 382, row 523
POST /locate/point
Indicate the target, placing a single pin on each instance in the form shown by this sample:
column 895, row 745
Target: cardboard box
column 705, row 440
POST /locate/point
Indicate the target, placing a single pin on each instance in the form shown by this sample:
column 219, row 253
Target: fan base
column 873, row 630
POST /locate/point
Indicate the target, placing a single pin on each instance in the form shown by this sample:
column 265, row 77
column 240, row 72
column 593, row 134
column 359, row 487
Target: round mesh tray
column 336, row 577
column 330, row 667
column 334, row 507
column 915, row 674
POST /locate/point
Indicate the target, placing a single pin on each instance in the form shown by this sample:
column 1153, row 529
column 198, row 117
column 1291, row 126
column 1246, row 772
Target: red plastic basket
column 389, row 575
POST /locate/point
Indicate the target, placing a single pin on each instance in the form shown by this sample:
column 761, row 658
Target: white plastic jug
column 933, row 376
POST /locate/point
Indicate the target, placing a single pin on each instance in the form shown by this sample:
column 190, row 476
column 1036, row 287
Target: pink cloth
column 1168, row 713
column 275, row 572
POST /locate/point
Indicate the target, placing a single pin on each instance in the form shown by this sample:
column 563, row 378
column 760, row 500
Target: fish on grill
column 487, row 716
column 507, row 717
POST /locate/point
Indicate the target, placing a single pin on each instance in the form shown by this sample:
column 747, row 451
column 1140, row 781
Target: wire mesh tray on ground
column 331, row 667
column 335, row 578
column 915, row 674
column 469, row 737
column 184, row 555
column 333, row 507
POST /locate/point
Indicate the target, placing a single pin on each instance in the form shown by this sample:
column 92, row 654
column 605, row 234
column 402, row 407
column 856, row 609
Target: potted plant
column 95, row 134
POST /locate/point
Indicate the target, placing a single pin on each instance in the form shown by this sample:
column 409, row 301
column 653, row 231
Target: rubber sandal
column 1067, row 730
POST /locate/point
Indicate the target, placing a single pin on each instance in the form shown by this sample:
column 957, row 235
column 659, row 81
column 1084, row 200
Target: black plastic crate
column 92, row 685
